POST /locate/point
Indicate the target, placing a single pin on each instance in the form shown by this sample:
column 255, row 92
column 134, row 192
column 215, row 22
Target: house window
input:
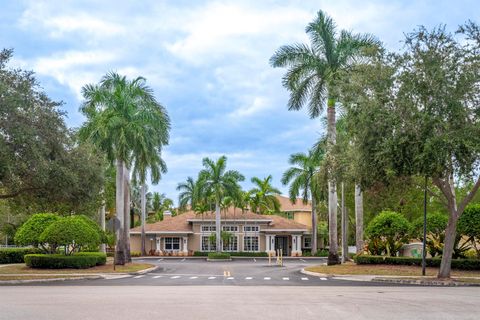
column 307, row 242
column 232, row 245
column 172, row 243
column 207, row 245
column 208, row 228
column 230, row 228
column 250, row 243
column 251, row 228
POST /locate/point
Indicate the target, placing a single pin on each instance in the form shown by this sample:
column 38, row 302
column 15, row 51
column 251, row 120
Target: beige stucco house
column 189, row 232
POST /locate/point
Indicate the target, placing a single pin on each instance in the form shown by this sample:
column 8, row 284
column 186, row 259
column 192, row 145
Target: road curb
column 7, row 282
column 144, row 270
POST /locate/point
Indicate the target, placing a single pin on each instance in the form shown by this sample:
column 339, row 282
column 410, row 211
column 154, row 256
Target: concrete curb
column 144, row 270
column 232, row 257
column 391, row 279
column 7, row 282
column 219, row 260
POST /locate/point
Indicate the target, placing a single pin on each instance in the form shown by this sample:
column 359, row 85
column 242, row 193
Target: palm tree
column 313, row 72
column 190, row 192
column 302, row 181
column 219, row 183
column 265, row 196
column 123, row 117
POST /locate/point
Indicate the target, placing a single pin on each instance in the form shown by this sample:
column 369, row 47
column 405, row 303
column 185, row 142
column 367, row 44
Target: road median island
column 393, row 274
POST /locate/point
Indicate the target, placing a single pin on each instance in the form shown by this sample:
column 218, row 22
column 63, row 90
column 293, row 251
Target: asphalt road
column 241, row 272
column 238, row 302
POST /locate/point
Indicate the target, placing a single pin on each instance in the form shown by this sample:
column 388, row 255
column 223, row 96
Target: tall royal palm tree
column 123, row 117
column 265, row 196
column 219, row 183
column 301, row 177
column 190, row 193
column 313, row 72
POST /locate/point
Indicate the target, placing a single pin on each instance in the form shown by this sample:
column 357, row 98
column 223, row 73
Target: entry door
column 281, row 242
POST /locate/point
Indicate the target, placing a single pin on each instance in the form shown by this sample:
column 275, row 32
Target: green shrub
column 59, row 261
column 135, row 253
column 31, row 230
column 101, row 257
column 469, row 225
column 461, row 264
column 436, row 224
column 389, row 230
column 15, row 255
column 72, row 232
column 320, row 253
column 218, row 255
column 200, row 254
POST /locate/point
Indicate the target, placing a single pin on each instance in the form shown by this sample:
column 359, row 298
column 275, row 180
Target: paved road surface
column 237, row 302
column 195, row 272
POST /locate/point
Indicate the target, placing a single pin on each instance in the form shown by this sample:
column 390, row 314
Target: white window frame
column 251, row 244
column 210, row 246
column 230, row 228
column 252, row 228
column 304, row 240
column 229, row 249
column 208, row 228
column 172, row 244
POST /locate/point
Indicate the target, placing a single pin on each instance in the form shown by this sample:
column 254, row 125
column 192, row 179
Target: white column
column 157, row 247
column 185, row 244
column 297, row 244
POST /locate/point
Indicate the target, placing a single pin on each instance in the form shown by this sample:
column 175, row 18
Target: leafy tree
column 301, row 177
column 436, row 224
column 30, row 232
column 190, row 193
column 421, row 119
column 312, row 77
column 42, row 167
column 391, row 228
column 469, row 225
column 125, row 121
column 72, row 232
column 219, row 182
column 265, row 196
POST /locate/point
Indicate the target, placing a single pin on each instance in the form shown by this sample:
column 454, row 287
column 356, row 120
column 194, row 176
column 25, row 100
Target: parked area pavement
column 198, row 272
column 237, row 302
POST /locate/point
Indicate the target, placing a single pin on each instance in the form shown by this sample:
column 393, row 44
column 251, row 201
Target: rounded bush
column 15, row 255
column 58, row 261
column 218, row 255
column 390, row 228
column 30, row 231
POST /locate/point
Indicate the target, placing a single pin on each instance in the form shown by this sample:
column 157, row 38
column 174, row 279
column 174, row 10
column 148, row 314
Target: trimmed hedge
column 101, row 257
column 15, row 255
column 218, row 255
column 320, row 253
column 461, row 264
column 59, row 261
column 233, row 254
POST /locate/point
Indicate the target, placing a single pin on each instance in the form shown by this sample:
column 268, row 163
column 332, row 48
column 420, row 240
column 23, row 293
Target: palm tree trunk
column 314, row 226
column 126, row 213
column 143, row 204
column 217, row 227
column 344, row 227
column 332, row 189
column 102, row 221
column 119, row 223
column 358, row 219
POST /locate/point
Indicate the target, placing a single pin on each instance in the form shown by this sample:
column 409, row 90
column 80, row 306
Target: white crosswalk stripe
column 211, row 278
column 230, row 278
column 175, row 277
column 193, row 277
column 267, row 278
column 323, row 279
column 304, row 279
column 138, row 277
column 248, row 278
column 286, row 278
column 156, row 277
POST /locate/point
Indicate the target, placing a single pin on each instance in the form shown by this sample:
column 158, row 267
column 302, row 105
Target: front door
column 281, row 242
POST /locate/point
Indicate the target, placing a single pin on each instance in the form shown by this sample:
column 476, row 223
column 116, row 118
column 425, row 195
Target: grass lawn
column 108, row 268
column 385, row 270
column 33, row 277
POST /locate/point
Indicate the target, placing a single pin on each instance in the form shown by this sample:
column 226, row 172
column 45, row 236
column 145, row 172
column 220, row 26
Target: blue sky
column 207, row 62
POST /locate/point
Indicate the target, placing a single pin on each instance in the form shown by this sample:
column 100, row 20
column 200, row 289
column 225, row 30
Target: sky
column 207, row 62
